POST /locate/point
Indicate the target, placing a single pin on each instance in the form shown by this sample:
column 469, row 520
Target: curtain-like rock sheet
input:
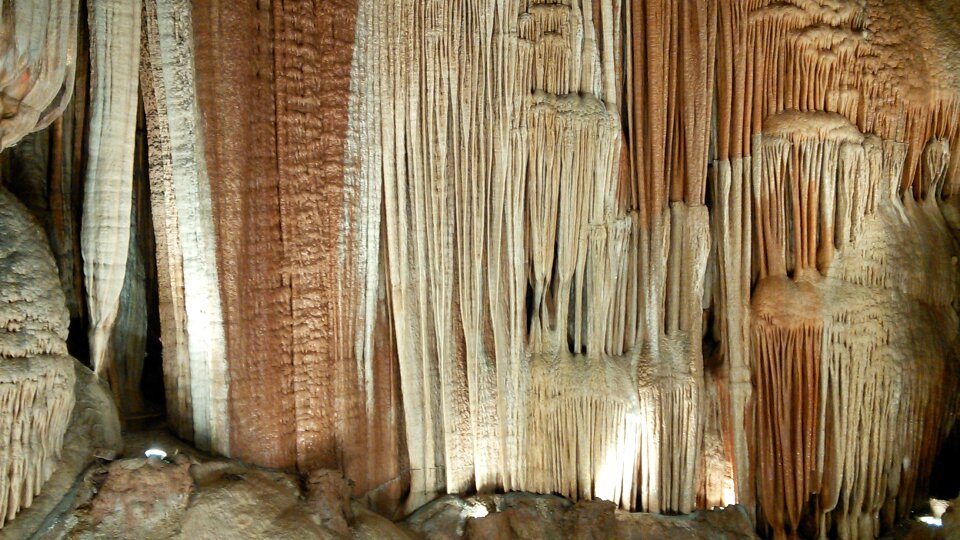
column 313, row 377
column 234, row 77
column 551, row 174
column 38, row 43
column 38, row 48
column 832, row 144
column 105, row 232
column 195, row 366
column 523, row 219
column 546, row 263
column 44, row 171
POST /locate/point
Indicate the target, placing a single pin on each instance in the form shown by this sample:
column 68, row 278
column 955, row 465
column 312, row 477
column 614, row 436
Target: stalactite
column 787, row 336
column 578, row 443
column 832, row 374
column 669, row 152
column 365, row 333
column 521, row 190
column 195, row 367
column 550, row 281
column 875, row 459
column 39, row 44
column 36, row 375
column 732, row 230
column 105, row 233
column 818, row 184
column 716, row 475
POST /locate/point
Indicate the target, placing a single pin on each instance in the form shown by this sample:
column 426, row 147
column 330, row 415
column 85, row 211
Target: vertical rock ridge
column 235, row 89
column 105, row 232
column 182, row 206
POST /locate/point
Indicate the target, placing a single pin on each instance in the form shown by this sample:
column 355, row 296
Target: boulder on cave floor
column 186, row 496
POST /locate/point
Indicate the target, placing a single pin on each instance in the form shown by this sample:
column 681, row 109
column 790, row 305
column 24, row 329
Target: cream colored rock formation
column 547, row 294
column 105, row 233
column 38, row 40
column 36, row 374
column 671, row 254
column 549, row 199
column 195, row 367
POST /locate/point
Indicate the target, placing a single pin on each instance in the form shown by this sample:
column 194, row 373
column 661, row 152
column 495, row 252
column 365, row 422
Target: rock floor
column 191, row 495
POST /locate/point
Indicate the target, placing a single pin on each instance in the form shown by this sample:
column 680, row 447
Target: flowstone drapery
column 673, row 254
column 546, row 288
column 560, row 214
column 36, row 374
column 38, row 42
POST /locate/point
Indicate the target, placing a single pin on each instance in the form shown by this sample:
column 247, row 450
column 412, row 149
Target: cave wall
column 668, row 254
column 307, row 389
column 549, row 198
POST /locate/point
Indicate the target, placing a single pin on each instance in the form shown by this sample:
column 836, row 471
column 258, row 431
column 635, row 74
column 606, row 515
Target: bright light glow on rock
column 155, row 452
column 930, row 520
column 938, row 507
column 729, row 492
column 477, row 511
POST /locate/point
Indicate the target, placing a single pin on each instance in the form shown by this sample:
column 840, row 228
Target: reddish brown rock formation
column 274, row 90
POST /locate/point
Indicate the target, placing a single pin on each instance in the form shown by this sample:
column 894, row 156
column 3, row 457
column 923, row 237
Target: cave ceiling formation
column 669, row 254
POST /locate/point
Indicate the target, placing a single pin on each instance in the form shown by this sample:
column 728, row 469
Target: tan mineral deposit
column 454, row 269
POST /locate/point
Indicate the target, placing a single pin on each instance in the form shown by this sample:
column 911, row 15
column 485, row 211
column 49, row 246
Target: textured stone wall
column 274, row 93
column 671, row 254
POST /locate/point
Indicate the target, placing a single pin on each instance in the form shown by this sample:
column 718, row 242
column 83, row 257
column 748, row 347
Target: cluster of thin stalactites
column 564, row 229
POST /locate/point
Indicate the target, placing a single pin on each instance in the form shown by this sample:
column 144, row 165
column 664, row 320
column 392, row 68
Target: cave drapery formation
column 36, row 374
column 671, row 254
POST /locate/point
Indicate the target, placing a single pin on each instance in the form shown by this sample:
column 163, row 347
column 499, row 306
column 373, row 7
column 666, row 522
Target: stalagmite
column 191, row 321
column 36, row 375
column 105, row 234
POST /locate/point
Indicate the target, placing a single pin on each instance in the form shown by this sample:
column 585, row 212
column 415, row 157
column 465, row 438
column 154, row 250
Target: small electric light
column 155, row 452
column 930, row 520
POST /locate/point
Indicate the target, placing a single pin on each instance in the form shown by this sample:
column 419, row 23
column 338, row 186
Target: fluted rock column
column 105, row 232
column 195, row 365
